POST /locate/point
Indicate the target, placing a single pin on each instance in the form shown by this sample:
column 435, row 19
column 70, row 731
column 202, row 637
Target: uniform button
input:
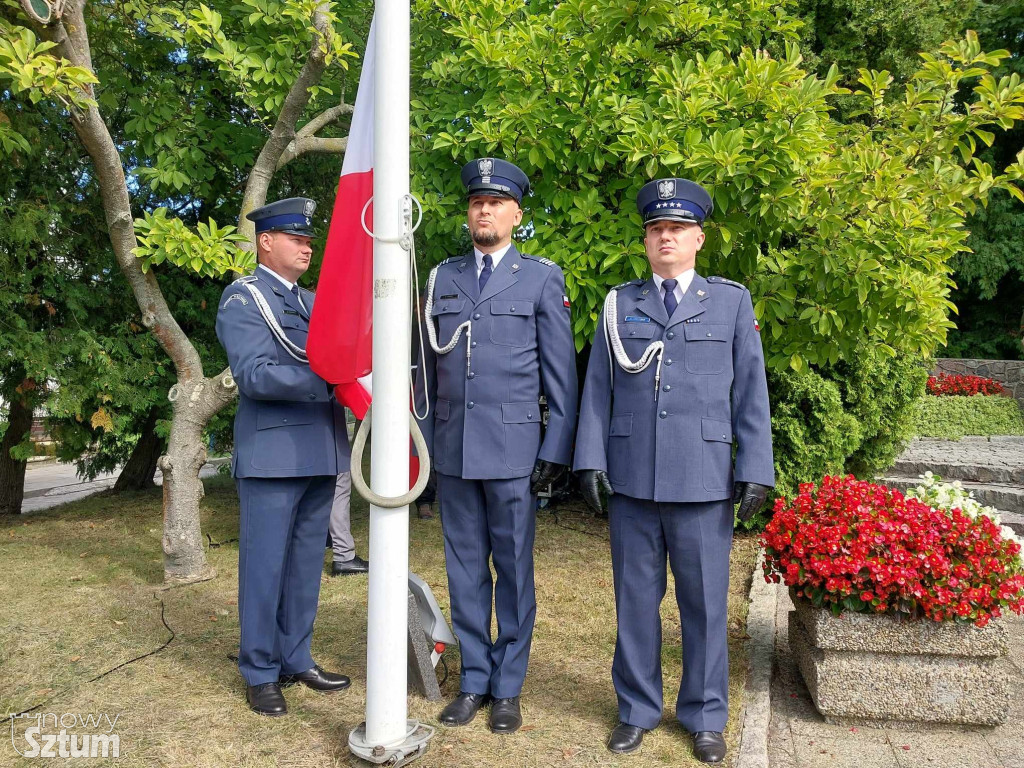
column 512, row 309
column 444, row 308
column 473, row 344
column 632, row 333
column 724, row 437
column 663, row 414
column 668, row 387
column 284, row 421
column 312, row 396
column 470, row 404
column 476, row 316
column 471, row 375
column 529, row 416
column 670, row 335
column 668, row 362
column 709, row 335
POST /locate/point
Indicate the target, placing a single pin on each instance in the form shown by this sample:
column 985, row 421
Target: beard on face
column 487, row 238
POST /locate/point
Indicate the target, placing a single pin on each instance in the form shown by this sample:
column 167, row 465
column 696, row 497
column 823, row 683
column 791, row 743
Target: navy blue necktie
column 485, row 273
column 670, row 296
column 298, row 298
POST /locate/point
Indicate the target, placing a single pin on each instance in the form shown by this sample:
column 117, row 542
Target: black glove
column 591, row 482
column 545, row 473
column 750, row 497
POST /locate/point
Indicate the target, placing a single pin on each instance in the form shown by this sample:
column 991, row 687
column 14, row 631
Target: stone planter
column 879, row 670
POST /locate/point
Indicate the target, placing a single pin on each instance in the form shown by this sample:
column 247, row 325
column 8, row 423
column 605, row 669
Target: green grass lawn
column 955, row 416
column 82, row 593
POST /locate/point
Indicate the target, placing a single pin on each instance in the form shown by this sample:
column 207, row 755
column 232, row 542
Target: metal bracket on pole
column 404, row 215
column 392, row 755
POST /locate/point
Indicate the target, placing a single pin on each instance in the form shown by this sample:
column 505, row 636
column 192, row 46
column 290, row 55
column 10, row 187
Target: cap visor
column 673, row 217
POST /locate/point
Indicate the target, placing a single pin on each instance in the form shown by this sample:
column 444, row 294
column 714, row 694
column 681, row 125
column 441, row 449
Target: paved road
column 50, row 483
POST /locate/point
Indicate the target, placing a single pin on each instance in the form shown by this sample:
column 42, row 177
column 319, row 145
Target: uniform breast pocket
column 636, row 337
column 295, row 328
column 448, row 314
column 707, row 347
column 512, row 322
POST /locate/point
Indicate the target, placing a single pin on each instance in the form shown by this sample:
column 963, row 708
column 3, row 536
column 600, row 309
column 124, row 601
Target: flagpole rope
column 407, row 242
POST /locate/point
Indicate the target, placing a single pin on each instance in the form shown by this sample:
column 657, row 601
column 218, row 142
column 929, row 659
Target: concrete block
column 875, row 670
column 890, row 634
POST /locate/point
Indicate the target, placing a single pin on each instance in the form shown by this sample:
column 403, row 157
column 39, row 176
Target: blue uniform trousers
column 282, row 531
column 697, row 538
column 482, row 520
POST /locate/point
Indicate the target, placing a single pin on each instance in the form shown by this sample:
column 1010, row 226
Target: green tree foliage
column 990, row 278
column 878, row 34
column 843, row 231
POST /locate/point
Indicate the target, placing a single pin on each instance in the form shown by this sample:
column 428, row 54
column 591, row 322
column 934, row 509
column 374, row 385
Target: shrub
column 858, row 546
column 956, row 417
column 957, row 384
column 854, row 418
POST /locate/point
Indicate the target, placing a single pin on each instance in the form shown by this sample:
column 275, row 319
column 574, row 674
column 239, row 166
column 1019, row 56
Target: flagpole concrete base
column 393, row 755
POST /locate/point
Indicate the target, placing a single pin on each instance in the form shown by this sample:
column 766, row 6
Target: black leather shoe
column 355, row 565
column 625, row 738
column 505, row 715
column 709, row 746
column 463, row 709
column 266, row 699
column 318, row 680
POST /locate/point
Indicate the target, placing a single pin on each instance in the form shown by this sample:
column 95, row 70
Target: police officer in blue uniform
column 290, row 445
column 498, row 323
column 676, row 380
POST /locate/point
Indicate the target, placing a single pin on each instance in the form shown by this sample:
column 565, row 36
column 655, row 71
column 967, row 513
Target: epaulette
column 724, row 281
column 245, row 279
column 629, row 282
column 541, row 259
column 452, row 259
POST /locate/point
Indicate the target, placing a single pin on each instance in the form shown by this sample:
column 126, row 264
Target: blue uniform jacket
column 288, row 423
column 676, row 444
column 485, row 422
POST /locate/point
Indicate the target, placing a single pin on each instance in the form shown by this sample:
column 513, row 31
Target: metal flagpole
column 387, row 735
column 387, row 619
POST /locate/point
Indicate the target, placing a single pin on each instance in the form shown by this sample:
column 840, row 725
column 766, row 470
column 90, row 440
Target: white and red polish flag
column 340, row 340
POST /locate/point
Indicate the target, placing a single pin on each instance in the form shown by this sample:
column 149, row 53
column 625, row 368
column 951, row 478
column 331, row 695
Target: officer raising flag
column 290, row 445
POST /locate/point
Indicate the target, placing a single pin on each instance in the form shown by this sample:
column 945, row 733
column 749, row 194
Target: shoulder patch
column 235, row 297
column 724, row 281
column 541, row 259
column 245, row 279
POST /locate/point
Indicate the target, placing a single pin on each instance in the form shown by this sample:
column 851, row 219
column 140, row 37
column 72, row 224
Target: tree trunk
column 12, row 471
column 194, row 404
column 196, row 398
column 138, row 471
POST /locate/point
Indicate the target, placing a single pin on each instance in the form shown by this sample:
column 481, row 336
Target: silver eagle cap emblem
column 667, row 189
column 308, row 208
column 485, row 167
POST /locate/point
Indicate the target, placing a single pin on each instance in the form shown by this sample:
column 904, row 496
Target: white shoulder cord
column 432, row 333
column 290, row 347
column 611, row 330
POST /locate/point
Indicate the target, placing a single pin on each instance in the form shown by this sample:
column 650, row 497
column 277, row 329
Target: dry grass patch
column 81, row 594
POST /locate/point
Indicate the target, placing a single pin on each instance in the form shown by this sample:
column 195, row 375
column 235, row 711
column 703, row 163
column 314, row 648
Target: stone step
column 1008, row 499
column 955, row 470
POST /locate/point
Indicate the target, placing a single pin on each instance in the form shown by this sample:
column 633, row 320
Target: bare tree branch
column 284, row 129
column 301, row 146
column 325, row 118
